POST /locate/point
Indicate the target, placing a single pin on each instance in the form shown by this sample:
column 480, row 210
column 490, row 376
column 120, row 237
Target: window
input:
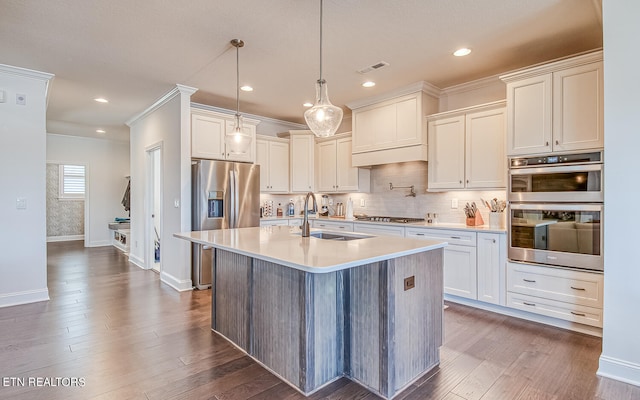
column 72, row 182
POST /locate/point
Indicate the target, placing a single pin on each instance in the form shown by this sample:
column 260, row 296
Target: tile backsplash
column 383, row 201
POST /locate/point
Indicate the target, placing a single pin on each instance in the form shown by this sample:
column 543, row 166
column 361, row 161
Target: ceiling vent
column 376, row 66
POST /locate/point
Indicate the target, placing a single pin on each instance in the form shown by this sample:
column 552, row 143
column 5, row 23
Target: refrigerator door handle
column 233, row 218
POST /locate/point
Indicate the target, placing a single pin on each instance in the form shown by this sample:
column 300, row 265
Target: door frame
column 149, row 255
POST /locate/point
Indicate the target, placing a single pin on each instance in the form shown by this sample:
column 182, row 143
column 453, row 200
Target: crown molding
column 421, row 86
column 31, row 74
column 254, row 117
column 179, row 89
column 547, row 67
column 471, row 85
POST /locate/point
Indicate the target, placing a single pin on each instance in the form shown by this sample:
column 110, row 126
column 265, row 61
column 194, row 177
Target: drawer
column 389, row 230
column 570, row 312
column 274, row 222
column 460, row 238
column 576, row 287
column 333, row 225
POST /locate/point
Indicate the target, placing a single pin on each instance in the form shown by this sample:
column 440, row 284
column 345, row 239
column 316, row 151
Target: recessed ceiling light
column 246, row 88
column 101, row 100
column 308, row 105
column 462, row 52
column 369, row 84
column 100, row 131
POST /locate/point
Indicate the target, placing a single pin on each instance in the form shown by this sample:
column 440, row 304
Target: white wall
column 621, row 338
column 23, row 256
column 167, row 124
column 107, row 163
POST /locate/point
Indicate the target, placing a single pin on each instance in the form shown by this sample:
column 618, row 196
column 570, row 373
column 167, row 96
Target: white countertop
column 422, row 224
column 284, row 245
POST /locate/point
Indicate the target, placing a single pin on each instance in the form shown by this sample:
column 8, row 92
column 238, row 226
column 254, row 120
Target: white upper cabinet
column 208, row 129
column 272, row 154
column 390, row 128
column 302, row 156
column 467, row 148
column 556, row 107
column 335, row 173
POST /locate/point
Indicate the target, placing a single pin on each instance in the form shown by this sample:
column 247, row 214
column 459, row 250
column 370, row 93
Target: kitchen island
column 315, row 309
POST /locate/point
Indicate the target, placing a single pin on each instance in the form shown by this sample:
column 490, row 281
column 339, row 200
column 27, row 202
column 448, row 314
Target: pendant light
column 238, row 141
column 323, row 118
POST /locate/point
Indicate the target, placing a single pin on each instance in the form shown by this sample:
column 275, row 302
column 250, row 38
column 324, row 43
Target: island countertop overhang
column 285, row 246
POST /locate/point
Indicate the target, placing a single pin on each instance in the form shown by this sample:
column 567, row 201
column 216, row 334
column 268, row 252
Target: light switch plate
column 21, row 203
column 454, row 203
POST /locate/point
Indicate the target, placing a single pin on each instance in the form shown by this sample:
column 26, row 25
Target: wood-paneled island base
column 313, row 310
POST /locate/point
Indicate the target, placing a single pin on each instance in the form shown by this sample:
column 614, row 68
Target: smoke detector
column 376, row 66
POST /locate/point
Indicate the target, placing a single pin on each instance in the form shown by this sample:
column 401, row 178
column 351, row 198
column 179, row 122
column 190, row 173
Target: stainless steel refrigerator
column 224, row 195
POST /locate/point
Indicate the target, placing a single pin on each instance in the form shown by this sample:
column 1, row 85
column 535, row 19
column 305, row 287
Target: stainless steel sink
column 337, row 236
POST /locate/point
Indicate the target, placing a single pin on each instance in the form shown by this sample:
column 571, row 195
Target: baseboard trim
column 177, row 284
column 101, row 243
column 620, row 370
column 138, row 262
column 26, row 297
column 66, row 238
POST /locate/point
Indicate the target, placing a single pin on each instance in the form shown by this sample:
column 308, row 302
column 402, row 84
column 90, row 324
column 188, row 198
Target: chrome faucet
column 305, row 220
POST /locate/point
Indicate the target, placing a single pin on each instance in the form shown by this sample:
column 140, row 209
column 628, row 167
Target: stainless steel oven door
column 568, row 235
column 572, row 183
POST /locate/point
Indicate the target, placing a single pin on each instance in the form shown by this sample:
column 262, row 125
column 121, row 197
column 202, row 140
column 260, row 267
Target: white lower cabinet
column 332, row 225
column 384, row 230
column 556, row 292
column 474, row 262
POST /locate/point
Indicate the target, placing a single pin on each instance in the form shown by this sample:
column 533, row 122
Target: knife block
column 475, row 221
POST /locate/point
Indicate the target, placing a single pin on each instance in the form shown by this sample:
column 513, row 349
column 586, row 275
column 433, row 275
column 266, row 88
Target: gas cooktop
column 400, row 220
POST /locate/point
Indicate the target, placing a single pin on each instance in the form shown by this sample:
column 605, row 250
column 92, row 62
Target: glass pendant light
column 238, row 141
column 323, row 118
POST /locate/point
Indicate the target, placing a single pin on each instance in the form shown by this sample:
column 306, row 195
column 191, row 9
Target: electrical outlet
column 410, row 282
column 454, row 203
column 362, row 203
column 330, row 201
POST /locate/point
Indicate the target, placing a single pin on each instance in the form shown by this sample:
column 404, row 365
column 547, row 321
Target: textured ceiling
column 133, row 52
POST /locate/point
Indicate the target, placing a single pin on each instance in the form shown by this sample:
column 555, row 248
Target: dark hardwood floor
column 125, row 335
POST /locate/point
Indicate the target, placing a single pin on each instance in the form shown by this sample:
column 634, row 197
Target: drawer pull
column 419, row 234
column 577, row 288
column 528, row 304
column 455, row 237
column 341, row 227
column 579, row 314
column 529, row 280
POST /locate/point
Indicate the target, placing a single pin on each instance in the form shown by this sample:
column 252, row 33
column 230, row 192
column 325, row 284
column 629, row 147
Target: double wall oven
column 556, row 210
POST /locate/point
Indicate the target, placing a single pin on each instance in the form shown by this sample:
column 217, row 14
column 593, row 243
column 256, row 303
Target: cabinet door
column 249, row 156
column 327, row 166
column 578, row 108
column 489, row 266
column 207, row 137
column 302, row 163
column 408, row 122
column 346, row 174
column 485, row 161
column 374, row 127
column 460, row 271
column 262, row 159
column 279, row 167
column 529, row 115
column 446, row 153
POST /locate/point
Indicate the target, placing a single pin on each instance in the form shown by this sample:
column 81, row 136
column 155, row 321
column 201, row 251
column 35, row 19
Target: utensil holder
column 475, row 221
column 497, row 220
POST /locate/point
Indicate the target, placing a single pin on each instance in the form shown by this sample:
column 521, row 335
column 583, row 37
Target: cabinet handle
column 341, row 227
column 557, row 142
column 579, row 314
column 528, row 304
column 467, row 181
column 546, row 143
column 529, row 280
column 460, row 182
column 493, row 240
column 419, row 234
column 455, row 237
column 577, row 288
